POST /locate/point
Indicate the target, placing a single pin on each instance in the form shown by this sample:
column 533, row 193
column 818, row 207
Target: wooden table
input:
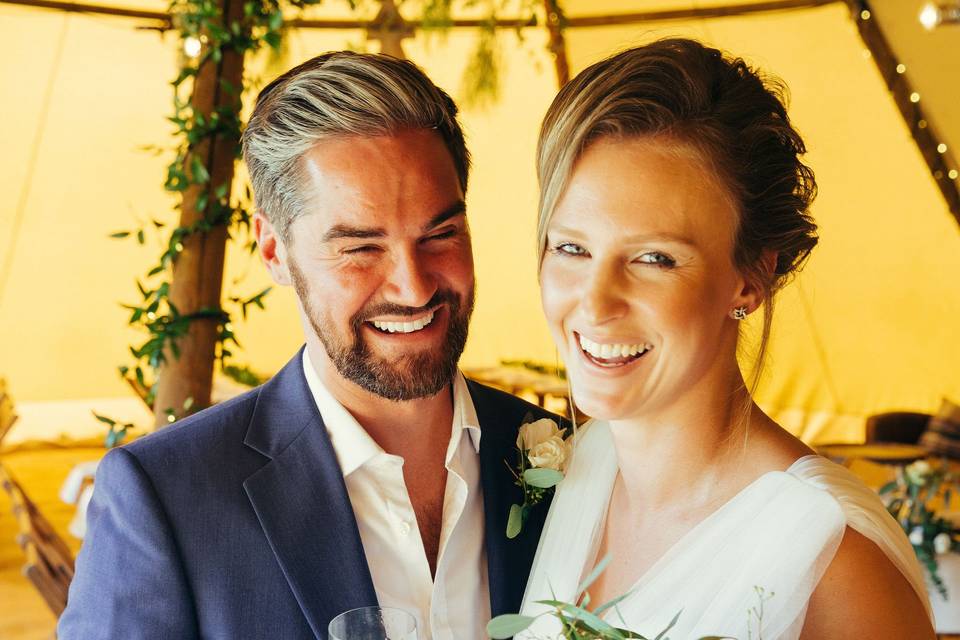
column 517, row 380
column 892, row 453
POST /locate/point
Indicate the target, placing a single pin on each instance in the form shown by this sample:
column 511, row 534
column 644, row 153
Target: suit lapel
column 301, row 501
column 508, row 561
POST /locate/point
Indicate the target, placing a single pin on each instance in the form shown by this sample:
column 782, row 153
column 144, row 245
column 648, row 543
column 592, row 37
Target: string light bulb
column 933, row 15
column 941, row 148
column 901, row 68
column 914, row 97
column 191, row 46
column 953, row 174
column 864, row 15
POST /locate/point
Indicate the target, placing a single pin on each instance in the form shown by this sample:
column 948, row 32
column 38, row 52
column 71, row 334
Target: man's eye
column 568, row 249
column 658, row 259
column 367, row 248
column 443, row 235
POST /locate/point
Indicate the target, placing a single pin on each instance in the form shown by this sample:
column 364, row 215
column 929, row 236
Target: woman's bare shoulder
column 863, row 595
column 772, row 447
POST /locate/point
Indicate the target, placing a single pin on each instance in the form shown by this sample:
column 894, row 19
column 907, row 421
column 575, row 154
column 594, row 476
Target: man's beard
column 408, row 377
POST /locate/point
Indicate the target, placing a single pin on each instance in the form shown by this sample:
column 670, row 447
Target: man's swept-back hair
column 333, row 95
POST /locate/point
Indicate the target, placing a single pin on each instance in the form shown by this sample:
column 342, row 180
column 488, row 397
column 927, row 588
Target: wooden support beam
column 556, row 21
column 198, row 271
column 909, row 103
column 390, row 29
column 163, row 19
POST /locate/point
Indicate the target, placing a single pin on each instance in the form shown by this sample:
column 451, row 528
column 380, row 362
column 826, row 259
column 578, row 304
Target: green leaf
column 579, row 613
column 597, row 570
column 140, row 237
column 276, row 20
column 508, row 625
column 542, row 478
column 515, row 521
column 120, row 234
column 612, row 603
column 272, row 39
column 199, row 171
column 887, row 488
column 104, row 419
column 672, row 624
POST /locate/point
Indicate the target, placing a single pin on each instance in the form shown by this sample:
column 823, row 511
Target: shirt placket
column 406, row 536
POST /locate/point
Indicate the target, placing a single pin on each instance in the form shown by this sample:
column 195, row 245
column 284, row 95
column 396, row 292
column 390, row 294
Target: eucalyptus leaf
column 542, row 478
column 515, row 521
column 673, row 623
column 508, row 625
column 597, row 570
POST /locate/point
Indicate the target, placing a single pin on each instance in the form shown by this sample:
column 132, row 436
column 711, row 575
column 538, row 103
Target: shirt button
column 404, row 528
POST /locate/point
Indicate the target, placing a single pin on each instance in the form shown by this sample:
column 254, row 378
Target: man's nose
column 411, row 282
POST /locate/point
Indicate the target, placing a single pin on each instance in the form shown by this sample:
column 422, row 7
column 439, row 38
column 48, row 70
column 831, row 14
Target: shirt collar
column 352, row 444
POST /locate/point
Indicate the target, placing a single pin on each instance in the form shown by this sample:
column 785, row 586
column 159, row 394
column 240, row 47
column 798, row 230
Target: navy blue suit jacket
column 235, row 523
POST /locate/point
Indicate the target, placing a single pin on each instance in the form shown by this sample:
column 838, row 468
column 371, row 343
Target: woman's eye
column 568, row 249
column 657, row 258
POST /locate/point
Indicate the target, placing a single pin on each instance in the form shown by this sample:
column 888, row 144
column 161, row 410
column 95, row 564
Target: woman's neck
column 686, row 450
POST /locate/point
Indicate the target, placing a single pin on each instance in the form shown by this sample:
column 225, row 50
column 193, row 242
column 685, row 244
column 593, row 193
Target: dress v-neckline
column 683, row 541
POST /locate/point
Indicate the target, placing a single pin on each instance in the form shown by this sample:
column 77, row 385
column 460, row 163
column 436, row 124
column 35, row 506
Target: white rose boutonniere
column 544, row 450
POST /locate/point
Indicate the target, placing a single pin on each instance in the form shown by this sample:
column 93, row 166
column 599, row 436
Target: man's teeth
column 610, row 351
column 403, row 327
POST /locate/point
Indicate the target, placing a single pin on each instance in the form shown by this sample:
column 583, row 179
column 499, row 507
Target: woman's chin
column 602, row 405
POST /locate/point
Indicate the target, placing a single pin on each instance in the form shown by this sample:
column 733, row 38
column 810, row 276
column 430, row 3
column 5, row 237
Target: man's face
column 381, row 261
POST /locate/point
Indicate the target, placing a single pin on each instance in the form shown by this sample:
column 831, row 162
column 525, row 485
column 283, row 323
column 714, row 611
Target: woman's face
column 638, row 279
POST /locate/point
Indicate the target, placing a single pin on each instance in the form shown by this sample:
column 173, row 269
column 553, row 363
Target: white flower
column 552, row 454
column 544, row 445
column 917, row 472
column 916, row 536
column 942, row 543
column 533, row 433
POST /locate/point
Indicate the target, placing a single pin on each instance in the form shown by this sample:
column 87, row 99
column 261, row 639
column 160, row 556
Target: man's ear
column 272, row 249
column 753, row 290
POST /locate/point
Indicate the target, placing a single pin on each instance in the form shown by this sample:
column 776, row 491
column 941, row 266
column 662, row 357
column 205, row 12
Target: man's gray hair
column 338, row 94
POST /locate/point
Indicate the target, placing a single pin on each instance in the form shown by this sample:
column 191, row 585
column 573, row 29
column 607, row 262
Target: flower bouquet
column 909, row 500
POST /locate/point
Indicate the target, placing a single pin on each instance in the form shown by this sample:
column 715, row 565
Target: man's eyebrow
column 457, row 209
column 346, row 231
column 340, row 231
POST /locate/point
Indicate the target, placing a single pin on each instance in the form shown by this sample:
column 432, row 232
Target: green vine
column 201, row 27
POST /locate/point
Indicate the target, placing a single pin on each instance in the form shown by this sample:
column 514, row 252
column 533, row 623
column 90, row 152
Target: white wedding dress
column 771, row 542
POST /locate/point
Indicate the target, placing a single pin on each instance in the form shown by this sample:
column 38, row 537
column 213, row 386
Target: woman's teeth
column 403, row 327
column 613, row 351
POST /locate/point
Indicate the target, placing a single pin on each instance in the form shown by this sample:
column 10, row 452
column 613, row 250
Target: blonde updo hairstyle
column 735, row 119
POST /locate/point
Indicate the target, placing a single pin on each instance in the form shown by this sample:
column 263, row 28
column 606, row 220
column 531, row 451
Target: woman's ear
column 755, row 286
column 272, row 250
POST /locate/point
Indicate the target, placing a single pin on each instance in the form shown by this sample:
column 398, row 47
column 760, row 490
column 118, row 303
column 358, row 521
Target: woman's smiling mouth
column 611, row 354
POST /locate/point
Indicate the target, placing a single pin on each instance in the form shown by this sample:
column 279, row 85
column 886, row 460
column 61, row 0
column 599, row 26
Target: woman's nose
column 601, row 298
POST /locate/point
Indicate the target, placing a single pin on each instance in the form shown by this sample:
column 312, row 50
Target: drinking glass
column 373, row 623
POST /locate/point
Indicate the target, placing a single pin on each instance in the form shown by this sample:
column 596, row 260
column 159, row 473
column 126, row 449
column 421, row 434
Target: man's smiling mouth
column 406, row 326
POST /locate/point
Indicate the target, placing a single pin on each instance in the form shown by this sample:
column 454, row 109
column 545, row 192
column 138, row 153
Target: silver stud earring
column 739, row 313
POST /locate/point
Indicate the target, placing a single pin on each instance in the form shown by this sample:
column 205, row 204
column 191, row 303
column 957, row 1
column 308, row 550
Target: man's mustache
column 440, row 297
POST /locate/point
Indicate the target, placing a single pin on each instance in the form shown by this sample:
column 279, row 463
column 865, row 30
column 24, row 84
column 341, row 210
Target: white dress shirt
column 456, row 604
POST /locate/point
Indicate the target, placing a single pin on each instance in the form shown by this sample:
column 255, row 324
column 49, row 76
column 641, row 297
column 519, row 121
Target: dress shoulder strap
column 866, row 513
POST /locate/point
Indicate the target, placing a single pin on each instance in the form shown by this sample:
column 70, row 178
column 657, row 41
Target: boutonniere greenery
column 543, row 451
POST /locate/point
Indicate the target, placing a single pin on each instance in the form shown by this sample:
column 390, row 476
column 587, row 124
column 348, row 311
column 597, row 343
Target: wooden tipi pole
column 198, row 271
